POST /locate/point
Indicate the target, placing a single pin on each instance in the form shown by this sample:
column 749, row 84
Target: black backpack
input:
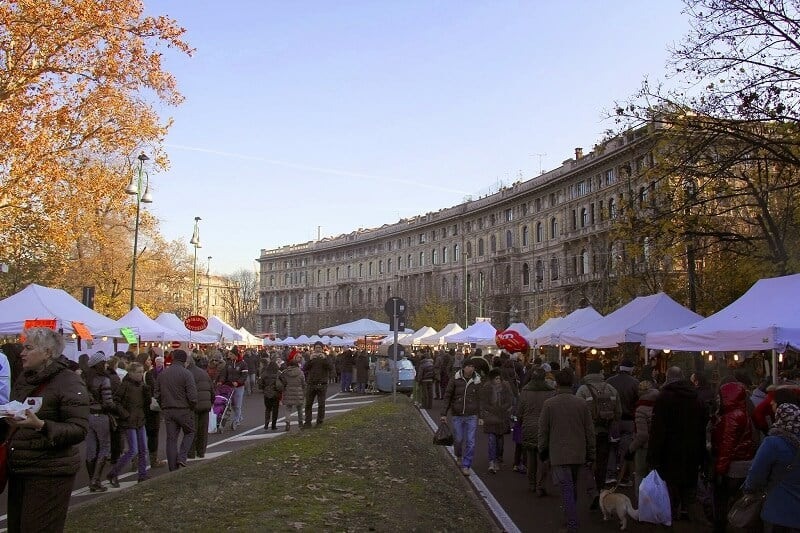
column 602, row 404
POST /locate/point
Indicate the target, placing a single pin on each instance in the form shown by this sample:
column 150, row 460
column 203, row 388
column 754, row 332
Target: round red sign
column 195, row 323
column 175, row 345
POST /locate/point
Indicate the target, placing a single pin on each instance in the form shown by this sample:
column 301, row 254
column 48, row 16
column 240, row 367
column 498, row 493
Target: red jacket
column 763, row 411
column 732, row 436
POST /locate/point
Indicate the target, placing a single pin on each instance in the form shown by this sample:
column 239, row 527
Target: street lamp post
column 135, row 187
column 208, row 287
column 195, row 240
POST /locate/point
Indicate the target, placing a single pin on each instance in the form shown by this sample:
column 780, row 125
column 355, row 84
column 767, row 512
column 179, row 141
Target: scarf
column 787, row 423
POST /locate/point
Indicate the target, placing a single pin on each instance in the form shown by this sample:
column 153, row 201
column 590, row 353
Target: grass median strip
column 371, row 469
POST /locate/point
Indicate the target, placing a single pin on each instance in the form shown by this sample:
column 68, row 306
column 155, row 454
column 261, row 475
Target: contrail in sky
column 332, row 171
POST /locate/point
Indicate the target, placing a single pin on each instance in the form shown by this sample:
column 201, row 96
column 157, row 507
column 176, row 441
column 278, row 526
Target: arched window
column 272, row 281
column 360, row 296
column 492, row 243
column 539, row 235
column 286, row 278
column 369, row 269
column 507, row 280
column 369, row 295
column 380, row 294
column 319, row 276
column 584, row 217
column 554, row 268
column 422, row 259
column 612, row 209
column 409, row 261
column 319, row 300
column 524, row 235
column 480, row 248
column 445, row 249
column 361, row 270
column 456, row 287
column 456, row 255
column 642, row 196
column 444, row 287
column 328, row 275
column 539, row 270
column 509, row 239
column 434, row 257
column 526, row 274
column 388, row 266
column 585, row 269
column 349, row 271
column 553, row 228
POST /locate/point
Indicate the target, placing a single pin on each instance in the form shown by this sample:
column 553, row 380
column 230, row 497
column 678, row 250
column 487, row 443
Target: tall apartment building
column 534, row 249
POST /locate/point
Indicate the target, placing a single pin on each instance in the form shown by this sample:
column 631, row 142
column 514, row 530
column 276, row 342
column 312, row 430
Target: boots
column 96, row 485
column 90, row 465
column 154, row 463
column 287, row 425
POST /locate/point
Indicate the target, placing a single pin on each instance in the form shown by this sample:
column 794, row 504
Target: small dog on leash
column 612, row 503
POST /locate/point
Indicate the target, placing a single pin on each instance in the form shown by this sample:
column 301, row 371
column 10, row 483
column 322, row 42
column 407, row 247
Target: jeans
column 603, row 448
column 617, row 456
column 250, row 384
column 464, row 429
column 536, row 468
column 98, row 439
column 137, row 445
column 271, row 411
column 152, row 423
column 288, row 415
column 200, row 444
column 238, row 402
column 318, row 391
column 177, row 420
column 347, row 381
column 426, row 394
column 566, row 477
column 495, row 447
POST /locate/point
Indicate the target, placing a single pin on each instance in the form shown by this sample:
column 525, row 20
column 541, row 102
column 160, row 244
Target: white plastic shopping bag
column 212, row 421
column 654, row 500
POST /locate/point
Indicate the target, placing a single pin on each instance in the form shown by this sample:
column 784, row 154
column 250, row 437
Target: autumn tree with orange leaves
column 79, row 84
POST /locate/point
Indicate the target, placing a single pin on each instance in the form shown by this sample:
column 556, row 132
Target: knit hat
column 595, row 366
column 468, row 362
column 318, row 343
column 179, row 356
column 626, row 365
column 292, row 355
column 546, row 367
column 787, row 418
column 97, row 357
column 494, row 373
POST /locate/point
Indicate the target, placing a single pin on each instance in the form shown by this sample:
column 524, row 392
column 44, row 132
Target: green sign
column 129, row 335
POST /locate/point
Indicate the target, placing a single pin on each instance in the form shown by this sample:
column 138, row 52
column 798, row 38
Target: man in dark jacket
column 677, row 444
column 205, row 400
column 152, row 417
column 251, row 360
column 317, row 373
column 531, row 401
column 348, row 364
column 462, row 398
column 627, row 388
column 177, row 394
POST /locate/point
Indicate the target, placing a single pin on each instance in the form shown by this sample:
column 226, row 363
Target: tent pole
column 774, row 367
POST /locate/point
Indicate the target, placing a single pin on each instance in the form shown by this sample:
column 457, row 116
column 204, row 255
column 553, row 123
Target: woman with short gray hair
column 43, row 456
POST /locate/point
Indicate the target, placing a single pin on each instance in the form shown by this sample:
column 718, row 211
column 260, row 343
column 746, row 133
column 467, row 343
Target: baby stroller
column 223, row 406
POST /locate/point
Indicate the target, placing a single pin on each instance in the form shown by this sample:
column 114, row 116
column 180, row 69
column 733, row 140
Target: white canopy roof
column 766, row 317
column 222, row 330
column 417, row 337
column 631, row 322
column 248, row 338
column 401, row 337
column 479, row 333
column 342, row 342
column 359, row 328
column 172, row 321
column 438, row 338
column 520, row 328
column 549, row 333
column 36, row 301
column 145, row 328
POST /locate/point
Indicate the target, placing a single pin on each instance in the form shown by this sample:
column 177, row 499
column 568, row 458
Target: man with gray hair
column 677, row 444
column 176, row 392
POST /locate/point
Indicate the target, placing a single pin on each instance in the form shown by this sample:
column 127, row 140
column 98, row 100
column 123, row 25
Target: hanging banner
column 49, row 323
column 82, row 331
column 129, row 335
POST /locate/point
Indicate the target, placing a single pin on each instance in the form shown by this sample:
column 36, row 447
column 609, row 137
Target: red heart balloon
column 511, row 341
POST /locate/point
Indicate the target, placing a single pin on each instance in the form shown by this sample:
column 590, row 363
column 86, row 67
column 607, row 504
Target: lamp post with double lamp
column 135, row 187
column 208, row 288
column 195, row 241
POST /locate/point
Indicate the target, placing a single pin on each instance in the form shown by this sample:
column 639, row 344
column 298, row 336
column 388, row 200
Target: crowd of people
column 709, row 441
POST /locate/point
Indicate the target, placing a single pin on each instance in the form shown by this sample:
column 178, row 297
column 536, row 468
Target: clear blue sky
column 351, row 114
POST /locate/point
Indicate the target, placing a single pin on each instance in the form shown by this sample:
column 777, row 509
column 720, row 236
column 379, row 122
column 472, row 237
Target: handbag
column 443, row 435
column 746, row 511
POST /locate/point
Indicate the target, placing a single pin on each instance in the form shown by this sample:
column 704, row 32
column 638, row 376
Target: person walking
column 637, row 449
column 294, row 390
column 177, row 394
column 627, row 388
column 272, row 387
column 317, row 372
column 362, row 371
column 251, row 360
column 348, row 364
column 235, row 375
column 205, row 401
column 603, row 402
column 152, row 412
column 131, row 398
column 531, row 401
column 462, row 399
column 426, row 374
column 567, row 439
column 496, row 401
column 101, row 407
column 677, row 444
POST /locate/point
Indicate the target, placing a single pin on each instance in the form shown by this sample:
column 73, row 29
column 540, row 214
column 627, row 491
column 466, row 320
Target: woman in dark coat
column 496, row 400
column 43, row 456
column 362, row 372
column 131, row 398
column 272, row 388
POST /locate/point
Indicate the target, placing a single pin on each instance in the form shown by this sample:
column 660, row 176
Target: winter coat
column 65, row 411
column 732, row 435
column 150, row 379
column 643, row 417
column 496, row 411
column 317, row 371
column 627, row 387
column 462, row 395
column 268, row 379
column 348, row 361
column 426, row 370
column 362, row 368
column 782, row 505
column 131, row 398
column 176, row 389
column 531, row 399
column 205, row 389
column 677, row 444
column 597, row 381
column 566, row 429
column 294, row 391
column 101, row 398
column 762, row 413
column 233, row 372
column 509, row 375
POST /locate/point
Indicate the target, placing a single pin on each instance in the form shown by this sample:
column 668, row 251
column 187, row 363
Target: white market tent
column 172, row 321
column 482, row 333
column 401, row 337
column 145, row 328
column 38, row 302
column 302, row 339
column 223, row 331
column 438, row 338
column 549, row 333
column 360, row 328
column 631, row 322
column 343, row 342
column 766, row 317
column 417, row 337
column 248, row 338
column 520, row 328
